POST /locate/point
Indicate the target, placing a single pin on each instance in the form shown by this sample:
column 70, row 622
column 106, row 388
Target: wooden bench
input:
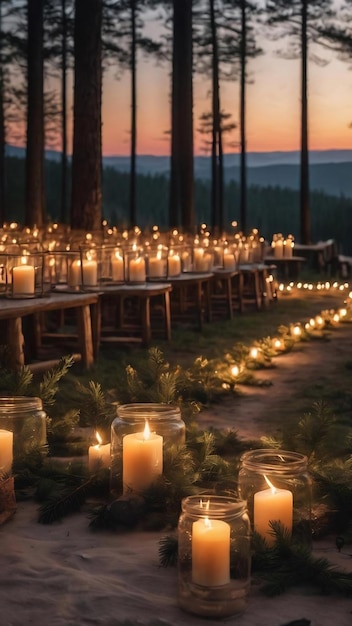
column 126, row 311
column 13, row 312
column 190, row 298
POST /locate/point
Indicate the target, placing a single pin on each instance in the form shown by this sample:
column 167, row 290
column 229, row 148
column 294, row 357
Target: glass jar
column 25, row 418
column 277, row 487
column 163, row 419
column 213, row 555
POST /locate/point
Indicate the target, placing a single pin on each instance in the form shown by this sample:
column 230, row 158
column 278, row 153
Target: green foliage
column 48, row 387
column 290, row 563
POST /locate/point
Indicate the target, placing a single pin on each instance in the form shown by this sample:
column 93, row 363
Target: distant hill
column 330, row 170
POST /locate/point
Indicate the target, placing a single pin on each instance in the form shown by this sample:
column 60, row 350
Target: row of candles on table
column 214, row 530
column 32, row 265
column 282, row 247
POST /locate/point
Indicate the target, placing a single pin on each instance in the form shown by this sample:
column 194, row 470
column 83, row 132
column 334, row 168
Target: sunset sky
column 273, row 106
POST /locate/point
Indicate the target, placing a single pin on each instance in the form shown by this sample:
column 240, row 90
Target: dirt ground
column 314, row 370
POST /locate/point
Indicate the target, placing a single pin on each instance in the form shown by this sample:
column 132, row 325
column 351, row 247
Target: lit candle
column 174, row 264
column 210, row 552
column 156, row 266
column 23, row 279
column 6, row 451
column 90, row 272
column 278, row 248
column 117, row 267
column 98, row 455
column 137, row 270
column 74, row 274
column 142, row 459
column 198, row 259
column 229, row 260
column 272, row 505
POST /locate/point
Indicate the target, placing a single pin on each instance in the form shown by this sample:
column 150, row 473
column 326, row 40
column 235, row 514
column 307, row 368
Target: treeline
column 271, row 209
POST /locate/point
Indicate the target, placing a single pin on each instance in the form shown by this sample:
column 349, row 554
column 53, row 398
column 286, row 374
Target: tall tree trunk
column 86, row 158
column 132, row 199
column 304, row 166
column 64, row 112
column 181, row 203
column 215, row 125
column 2, row 128
column 34, row 209
column 243, row 153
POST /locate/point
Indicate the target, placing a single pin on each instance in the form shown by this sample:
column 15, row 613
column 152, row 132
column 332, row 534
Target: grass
column 215, row 340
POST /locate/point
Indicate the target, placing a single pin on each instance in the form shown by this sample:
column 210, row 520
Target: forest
column 271, row 208
column 54, row 55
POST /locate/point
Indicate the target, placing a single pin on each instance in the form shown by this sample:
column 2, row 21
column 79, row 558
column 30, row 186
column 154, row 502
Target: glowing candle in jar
column 137, row 270
column 117, row 267
column 90, row 272
column 198, row 259
column 98, row 455
column 173, row 264
column 210, row 552
column 6, row 451
column 277, row 246
column 23, row 278
column 229, row 260
column 156, row 267
column 272, row 505
column 74, row 274
column 142, row 459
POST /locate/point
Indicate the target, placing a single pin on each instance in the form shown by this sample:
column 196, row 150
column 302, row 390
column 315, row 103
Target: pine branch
column 168, row 551
column 66, row 503
column 49, row 386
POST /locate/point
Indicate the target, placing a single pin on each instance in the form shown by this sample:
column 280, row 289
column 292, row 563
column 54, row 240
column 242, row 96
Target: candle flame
column 98, row 438
column 270, row 484
column 24, row 260
column 146, row 433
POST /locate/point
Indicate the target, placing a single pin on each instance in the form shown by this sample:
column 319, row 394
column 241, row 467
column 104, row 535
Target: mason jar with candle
column 135, row 266
column 25, row 275
column 213, row 555
column 25, row 418
column 156, row 262
column 163, row 419
column 277, row 487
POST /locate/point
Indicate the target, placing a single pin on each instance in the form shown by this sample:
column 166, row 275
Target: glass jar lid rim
column 13, row 402
column 218, row 506
column 147, row 409
column 272, row 458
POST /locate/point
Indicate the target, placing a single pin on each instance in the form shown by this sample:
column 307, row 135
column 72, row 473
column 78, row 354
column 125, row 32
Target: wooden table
column 13, row 311
column 287, row 267
column 133, row 324
column 226, row 288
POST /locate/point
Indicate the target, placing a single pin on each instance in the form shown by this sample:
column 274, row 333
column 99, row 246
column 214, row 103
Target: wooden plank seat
column 17, row 334
column 134, row 313
column 287, row 267
column 190, row 298
column 226, row 292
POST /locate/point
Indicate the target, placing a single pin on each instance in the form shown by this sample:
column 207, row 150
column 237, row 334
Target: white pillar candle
column 210, row 552
column 74, row 274
column 174, row 265
column 6, row 451
column 117, row 267
column 99, row 456
column 229, row 260
column 272, row 505
column 278, row 248
column 90, row 272
column 288, row 248
column 156, row 267
column 198, row 259
column 23, row 280
column 142, row 459
column 137, row 270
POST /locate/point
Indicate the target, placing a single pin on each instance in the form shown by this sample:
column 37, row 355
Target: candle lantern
column 277, row 487
column 163, row 420
column 135, row 265
column 24, row 275
column 156, row 262
column 174, row 262
column 90, row 267
column 213, row 555
column 25, row 419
